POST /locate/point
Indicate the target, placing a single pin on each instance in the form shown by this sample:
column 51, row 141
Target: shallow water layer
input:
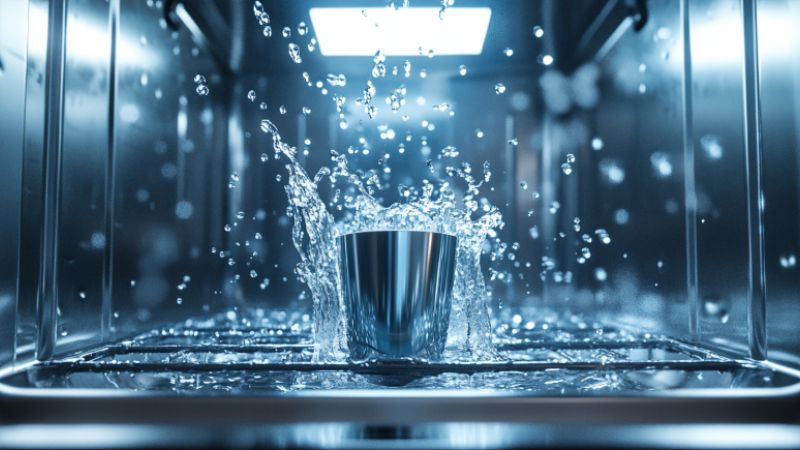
column 272, row 353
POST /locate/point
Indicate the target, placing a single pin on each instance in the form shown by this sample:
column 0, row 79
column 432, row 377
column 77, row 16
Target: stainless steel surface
column 397, row 287
column 13, row 61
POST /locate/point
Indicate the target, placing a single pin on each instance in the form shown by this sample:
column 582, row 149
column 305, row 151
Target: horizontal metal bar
column 384, row 368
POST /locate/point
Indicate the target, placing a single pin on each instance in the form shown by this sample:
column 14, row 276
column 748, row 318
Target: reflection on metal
column 757, row 288
column 47, row 296
column 396, row 287
column 110, row 171
column 689, row 188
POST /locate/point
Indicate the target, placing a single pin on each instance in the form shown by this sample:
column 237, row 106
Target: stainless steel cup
column 397, row 287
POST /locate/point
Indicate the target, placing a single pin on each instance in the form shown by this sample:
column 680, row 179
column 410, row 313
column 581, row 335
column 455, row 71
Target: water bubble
column 586, row 253
column 566, row 168
column 642, row 88
column 462, row 70
column 788, row 261
column 251, row 95
column 441, row 107
column 479, row 133
column 294, row 53
column 302, row 29
column 267, row 31
column 312, row 45
column 262, row 106
column 545, row 59
column 227, row 229
column 240, row 215
column 144, row 79
column 508, row 51
column 282, row 110
column 253, row 274
column 554, row 207
column 538, row 32
column 534, row 232
column 306, row 110
column 82, row 295
column 264, row 284
column 499, row 88
column 199, row 79
column 524, row 185
column 570, row 158
column 513, row 142
column 202, row 89
column 286, row 32
column 423, row 73
column 597, row 144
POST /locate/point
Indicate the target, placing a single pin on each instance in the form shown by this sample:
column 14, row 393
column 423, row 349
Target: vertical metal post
column 110, row 179
column 689, row 189
column 47, row 292
column 757, row 288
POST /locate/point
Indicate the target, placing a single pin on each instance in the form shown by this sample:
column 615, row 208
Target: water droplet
column 661, row 164
column 508, row 51
column 462, row 70
column 621, row 216
column 600, row 274
column 788, row 261
column 603, row 235
column 499, row 88
column 545, row 59
column 294, row 53
column 337, row 80
column 538, row 32
column 449, row 152
column 712, row 146
column 612, row 171
column 251, row 96
column 184, row 209
column 286, row 32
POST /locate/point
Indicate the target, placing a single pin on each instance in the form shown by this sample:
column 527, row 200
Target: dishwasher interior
column 644, row 157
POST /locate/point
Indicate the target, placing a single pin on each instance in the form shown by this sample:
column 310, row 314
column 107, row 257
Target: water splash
column 430, row 208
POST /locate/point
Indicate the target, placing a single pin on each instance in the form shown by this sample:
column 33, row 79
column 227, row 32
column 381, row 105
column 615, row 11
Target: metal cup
column 397, row 287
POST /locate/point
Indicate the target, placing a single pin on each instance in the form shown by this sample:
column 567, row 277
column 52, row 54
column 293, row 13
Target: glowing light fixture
column 400, row 32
